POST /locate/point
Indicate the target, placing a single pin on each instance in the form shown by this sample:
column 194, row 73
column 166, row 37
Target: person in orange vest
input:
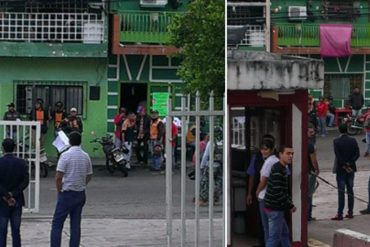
column 58, row 115
column 156, row 139
column 41, row 115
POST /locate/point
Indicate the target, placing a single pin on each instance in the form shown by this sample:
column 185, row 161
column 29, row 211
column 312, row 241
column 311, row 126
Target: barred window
column 70, row 93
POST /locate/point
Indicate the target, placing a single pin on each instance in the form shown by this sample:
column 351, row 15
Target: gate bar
column 183, row 173
column 210, row 169
column 169, row 174
column 197, row 167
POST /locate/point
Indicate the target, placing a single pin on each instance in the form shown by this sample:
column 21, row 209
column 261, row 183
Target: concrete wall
column 348, row 238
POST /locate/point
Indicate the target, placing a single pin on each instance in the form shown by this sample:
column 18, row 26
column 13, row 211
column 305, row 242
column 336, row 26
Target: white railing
column 52, row 27
column 255, row 35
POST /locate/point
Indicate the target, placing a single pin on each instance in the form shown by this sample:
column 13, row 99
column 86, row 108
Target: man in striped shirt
column 74, row 172
column 277, row 200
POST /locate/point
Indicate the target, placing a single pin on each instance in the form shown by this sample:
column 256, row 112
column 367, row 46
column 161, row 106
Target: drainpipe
column 268, row 25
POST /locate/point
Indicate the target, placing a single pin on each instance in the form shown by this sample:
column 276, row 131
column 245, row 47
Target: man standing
column 58, row 115
column 277, row 200
column 40, row 115
column 128, row 136
column 11, row 115
column 74, row 172
column 322, row 111
column 356, row 100
column 142, row 126
column 156, row 139
column 72, row 122
column 119, row 118
column 346, row 154
column 14, row 179
column 313, row 168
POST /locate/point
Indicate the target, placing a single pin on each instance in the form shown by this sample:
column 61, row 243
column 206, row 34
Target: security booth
column 267, row 94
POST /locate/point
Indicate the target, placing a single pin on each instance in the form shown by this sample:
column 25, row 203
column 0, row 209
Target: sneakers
column 365, row 211
column 337, row 217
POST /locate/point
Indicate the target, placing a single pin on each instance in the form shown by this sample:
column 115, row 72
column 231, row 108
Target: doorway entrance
column 133, row 95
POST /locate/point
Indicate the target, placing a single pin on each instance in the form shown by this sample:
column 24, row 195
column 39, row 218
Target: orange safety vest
column 58, row 118
column 154, row 129
column 189, row 136
column 40, row 116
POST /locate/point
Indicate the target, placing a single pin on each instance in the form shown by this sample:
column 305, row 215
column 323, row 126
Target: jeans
column 345, row 182
column 322, row 125
column 356, row 113
column 156, row 162
column 368, row 190
column 264, row 219
column 117, row 142
column 331, row 119
column 12, row 214
column 311, row 189
column 278, row 229
column 367, row 136
column 68, row 203
column 142, row 146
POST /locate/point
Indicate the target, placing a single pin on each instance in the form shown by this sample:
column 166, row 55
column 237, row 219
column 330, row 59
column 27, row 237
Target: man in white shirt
column 74, row 172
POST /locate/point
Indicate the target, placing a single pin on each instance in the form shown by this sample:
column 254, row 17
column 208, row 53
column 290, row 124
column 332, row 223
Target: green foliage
column 200, row 33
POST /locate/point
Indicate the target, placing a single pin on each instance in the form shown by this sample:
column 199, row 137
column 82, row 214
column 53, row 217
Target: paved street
column 325, row 197
column 122, row 212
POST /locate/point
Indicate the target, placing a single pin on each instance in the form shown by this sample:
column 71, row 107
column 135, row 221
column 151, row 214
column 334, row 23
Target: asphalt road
column 141, row 195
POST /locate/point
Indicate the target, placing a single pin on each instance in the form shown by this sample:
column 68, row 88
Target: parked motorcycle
column 355, row 125
column 114, row 156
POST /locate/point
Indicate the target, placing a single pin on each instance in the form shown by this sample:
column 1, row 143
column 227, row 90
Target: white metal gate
column 185, row 114
column 27, row 137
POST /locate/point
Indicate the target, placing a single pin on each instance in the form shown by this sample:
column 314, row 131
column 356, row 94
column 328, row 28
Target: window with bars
column 70, row 93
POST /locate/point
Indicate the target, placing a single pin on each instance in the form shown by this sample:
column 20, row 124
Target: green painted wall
column 355, row 64
column 135, row 5
column 91, row 71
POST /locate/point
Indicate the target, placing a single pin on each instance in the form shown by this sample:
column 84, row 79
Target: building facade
column 94, row 55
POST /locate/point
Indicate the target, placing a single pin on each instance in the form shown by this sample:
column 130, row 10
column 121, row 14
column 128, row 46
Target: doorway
column 133, row 95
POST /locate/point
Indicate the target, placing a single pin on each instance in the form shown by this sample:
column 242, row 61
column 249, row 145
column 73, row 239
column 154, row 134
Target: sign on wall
column 160, row 102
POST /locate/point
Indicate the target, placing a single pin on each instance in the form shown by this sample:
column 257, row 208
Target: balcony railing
column 145, row 27
column 52, row 27
column 308, row 35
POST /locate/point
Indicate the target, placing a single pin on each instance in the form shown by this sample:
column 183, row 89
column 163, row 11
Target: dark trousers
column 12, row 214
column 142, row 150
column 69, row 203
column 345, row 182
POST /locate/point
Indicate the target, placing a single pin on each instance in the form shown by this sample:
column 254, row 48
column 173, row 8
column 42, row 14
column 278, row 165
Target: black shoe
column 365, row 211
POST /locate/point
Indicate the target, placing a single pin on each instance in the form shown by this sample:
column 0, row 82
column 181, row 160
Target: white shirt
column 76, row 165
column 265, row 172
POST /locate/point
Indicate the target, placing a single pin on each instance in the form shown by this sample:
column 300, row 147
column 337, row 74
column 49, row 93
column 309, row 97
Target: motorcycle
column 114, row 156
column 355, row 125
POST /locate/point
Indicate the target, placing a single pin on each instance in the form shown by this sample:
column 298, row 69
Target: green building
column 296, row 31
column 90, row 54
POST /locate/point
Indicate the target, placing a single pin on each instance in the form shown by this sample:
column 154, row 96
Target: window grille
column 70, row 93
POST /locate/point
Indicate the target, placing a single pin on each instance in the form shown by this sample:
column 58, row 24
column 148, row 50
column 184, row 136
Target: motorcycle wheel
column 109, row 166
column 44, row 170
column 352, row 131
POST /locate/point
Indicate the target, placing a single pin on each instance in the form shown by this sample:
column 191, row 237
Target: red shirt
column 322, row 109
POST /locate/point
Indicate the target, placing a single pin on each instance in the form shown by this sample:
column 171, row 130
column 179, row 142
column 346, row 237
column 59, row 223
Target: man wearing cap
column 72, row 122
column 11, row 115
column 14, row 178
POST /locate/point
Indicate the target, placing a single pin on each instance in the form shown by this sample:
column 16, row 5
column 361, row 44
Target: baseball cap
column 11, row 105
column 73, row 109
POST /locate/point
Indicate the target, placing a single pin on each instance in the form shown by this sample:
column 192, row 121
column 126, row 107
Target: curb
column 316, row 243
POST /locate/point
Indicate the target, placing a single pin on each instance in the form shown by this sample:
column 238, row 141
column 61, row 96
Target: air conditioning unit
column 297, row 13
column 153, row 3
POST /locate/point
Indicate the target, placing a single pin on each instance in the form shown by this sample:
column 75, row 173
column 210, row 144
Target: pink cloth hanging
column 335, row 40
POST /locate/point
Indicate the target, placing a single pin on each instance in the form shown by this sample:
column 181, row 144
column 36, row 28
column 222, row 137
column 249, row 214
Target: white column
column 297, row 172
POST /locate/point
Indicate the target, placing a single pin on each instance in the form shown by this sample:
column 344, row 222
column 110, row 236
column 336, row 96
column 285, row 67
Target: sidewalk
column 118, row 232
column 325, row 199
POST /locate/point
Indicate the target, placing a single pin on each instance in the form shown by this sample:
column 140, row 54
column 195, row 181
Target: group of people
column 268, row 173
column 148, row 132
column 62, row 121
column 73, row 173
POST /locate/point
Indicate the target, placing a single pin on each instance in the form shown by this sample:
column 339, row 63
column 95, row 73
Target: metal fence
column 52, row 27
column 26, row 135
column 185, row 113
